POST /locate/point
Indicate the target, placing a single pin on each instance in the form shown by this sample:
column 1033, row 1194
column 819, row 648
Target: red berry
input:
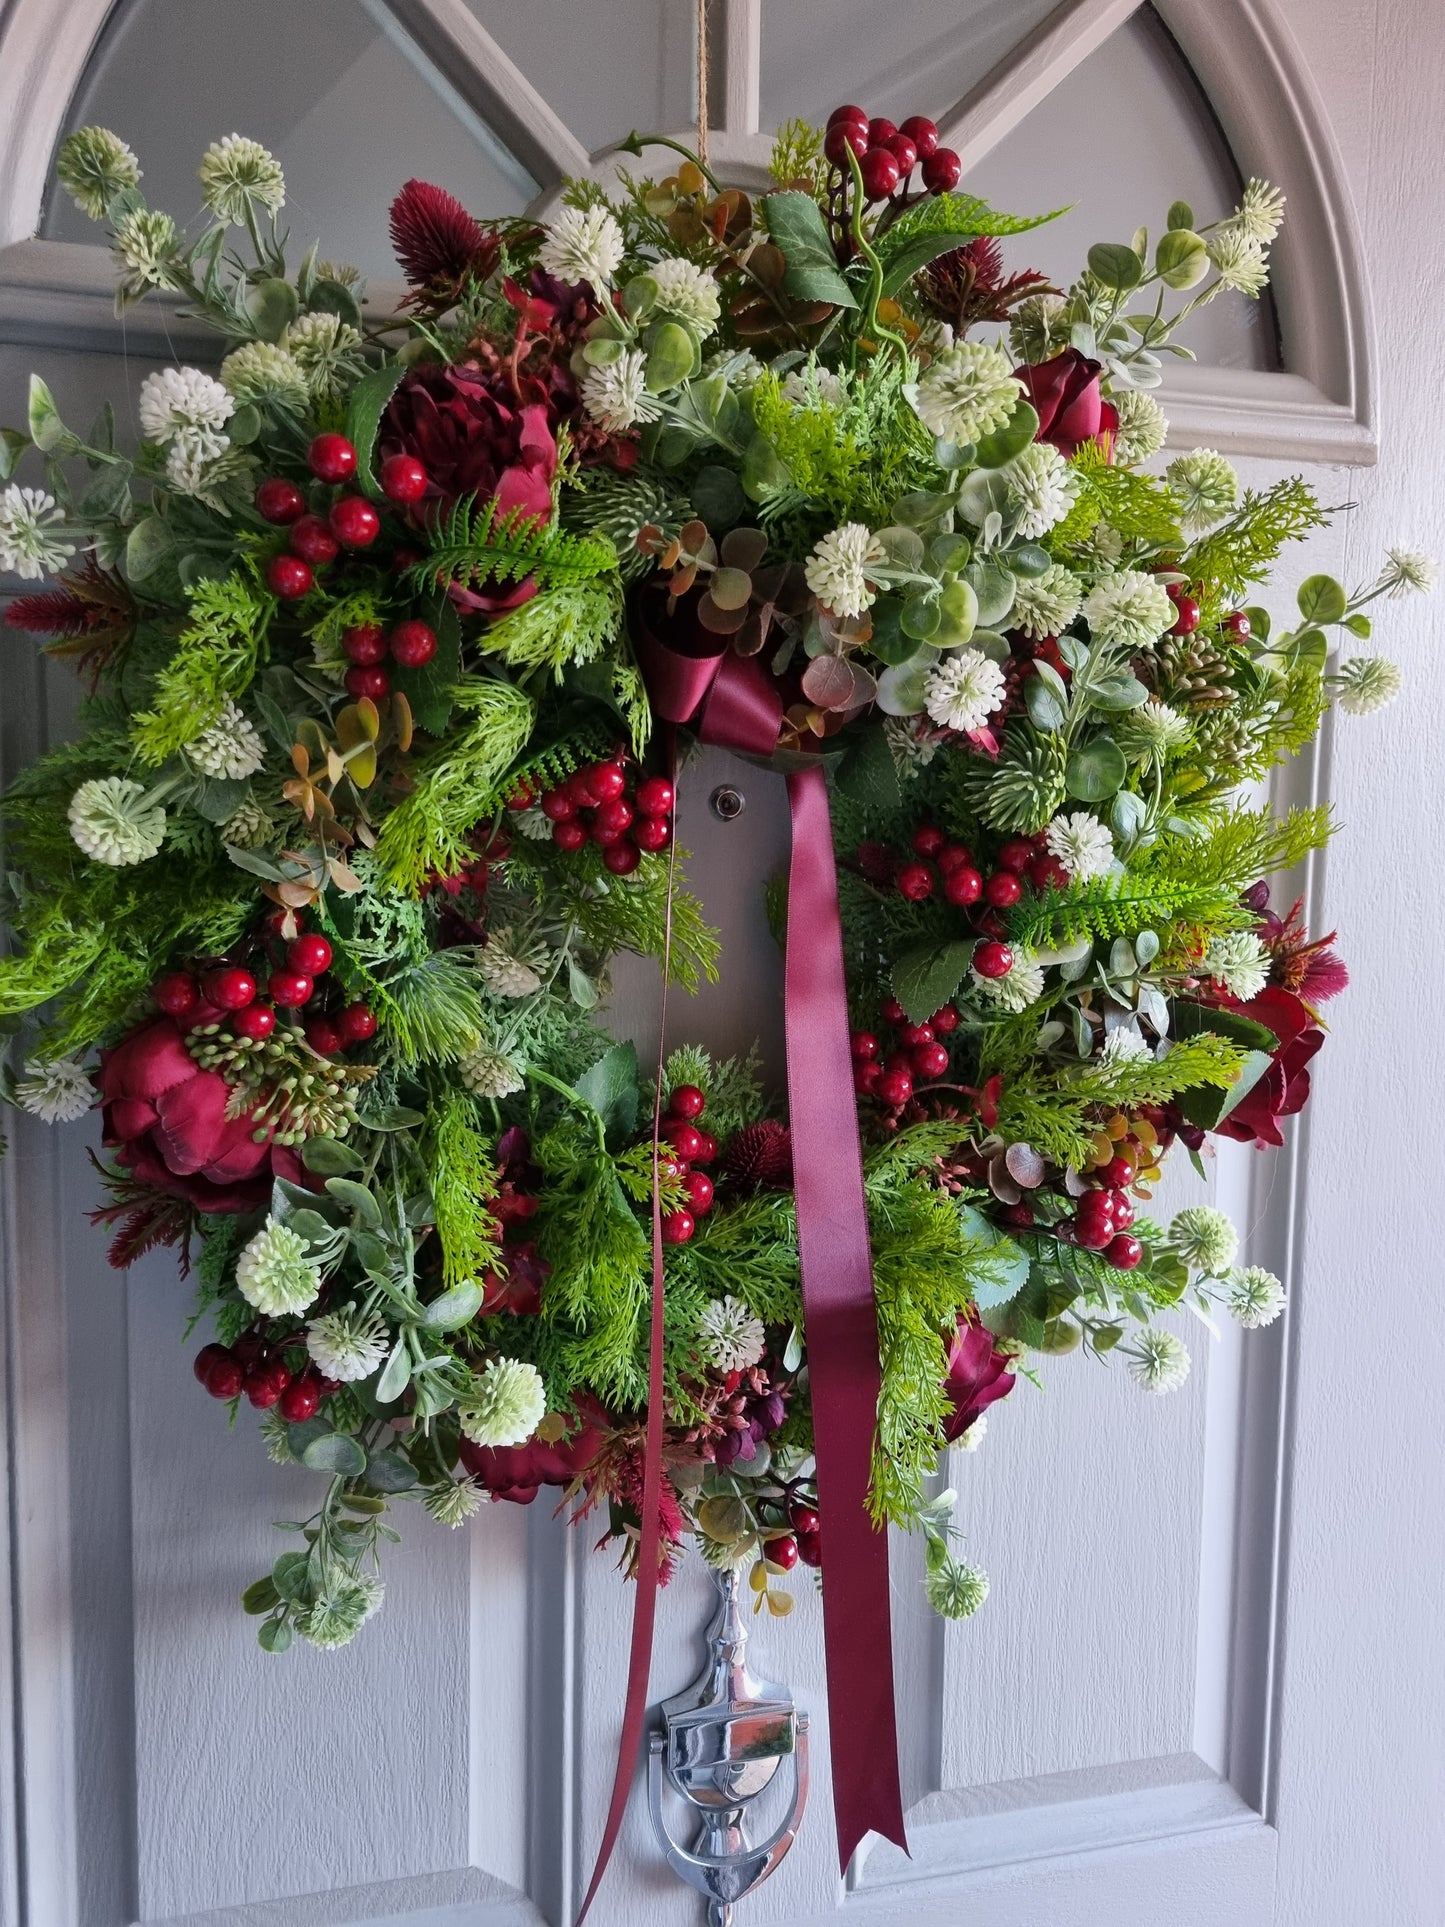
column 279, row 502
column 1121, row 1210
column 176, row 993
column 207, row 1358
column 915, row 882
column 569, row 835
column 944, row 1020
column 558, row 805
column 707, row 1151
column 910, row 1036
column 606, row 781
column 521, row 798
column 894, row 1089
column 699, row 1192
column 810, row 1549
column 928, row 839
column 323, row 1037
column 332, row 458
column 402, row 478
column 365, row 645
column 300, row 1399
column 621, row 858
column 954, row 856
column 226, row 1378
column 1236, row 626
column 652, row 833
column 922, row 132
column 1124, row 1251
column 1187, row 614
column 881, row 173
column 866, row 1073
column 356, row 1023
column 898, row 1060
column 265, row 1385
column 1015, row 855
column 309, row 953
column 579, row 788
column 313, row 541
column 1047, row 873
column 254, row 1020
column 687, row 1101
column 941, row 170
column 781, row 1552
column 1092, row 1233
column 354, row 522
column 230, row 989
column 863, row 1044
column 1117, row 1174
column 879, row 131
column 892, row 1012
column 1020, row 1214
column 612, row 818
column 838, row 140
column 804, row 1519
column 288, row 577
column 677, row 1227
column 992, row 959
column 290, row 989
column 368, row 680
column 655, row 796
column 685, row 1138
column 413, row 644
column 930, row 1060
column 904, row 152
column 963, row 885
column 1002, row 889
column 856, row 116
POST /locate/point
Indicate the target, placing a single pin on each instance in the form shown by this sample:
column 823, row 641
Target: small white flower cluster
column 230, row 748
column 1142, row 428
column 1042, row 488
column 1152, row 730
column 1130, row 609
column 967, row 391
column 1406, row 572
column 57, row 1090
column 687, row 293
column 185, row 410
column 1240, row 260
column 347, row 1344
column 1157, row 1360
column 1238, row 960
column 730, row 1338
column 1367, row 683
column 1205, row 486
column 238, row 176
column 1123, row 1045
column 963, row 690
column 1045, row 605
column 1255, row 1297
column 811, row 386
column 1205, row 1239
column 837, row 571
column 327, row 350
column 274, row 1272
column 1083, row 844
column 145, row 244
column 505, row 1405
column 264, row 372
column 113, row 821
column 1019, row 987
column 31, row 545
column 93, row 166
column 615, row 395
column 583, row 244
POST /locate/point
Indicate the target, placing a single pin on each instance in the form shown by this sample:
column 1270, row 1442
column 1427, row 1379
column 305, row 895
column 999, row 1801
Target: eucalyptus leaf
column 1012, row 439
column 1146, row 947
column 274, row 1635
column 261, row 1597
column 454, row 1308
column 901, row 690
column 390, row 1472
column 1118, row 692
column 395, row 1375
column 290, row 1575
column 1321, row 599
column 357, row 1198
column 329, row 1157
column 391, row 1117
column 1095, row 770
column 334, row 297
column 271, row 306
column 47, row 430
column 12, row 446
column 1116, row 266
column 1045, row 711
column 334, row 1452
column 146, row 547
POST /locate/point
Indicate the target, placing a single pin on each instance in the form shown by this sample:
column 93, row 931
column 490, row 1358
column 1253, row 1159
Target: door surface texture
column 1206, row 1688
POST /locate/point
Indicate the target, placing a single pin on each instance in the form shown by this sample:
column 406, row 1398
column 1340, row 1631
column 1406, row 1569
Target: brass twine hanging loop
column 702, row 81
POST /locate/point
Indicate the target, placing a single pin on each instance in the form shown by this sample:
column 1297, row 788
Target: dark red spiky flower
column 968, row 284
column 437, row 242
column 760, row 1156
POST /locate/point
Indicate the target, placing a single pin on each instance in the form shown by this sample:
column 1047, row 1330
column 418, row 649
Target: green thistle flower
column 264, row 372
column 505, row 1405
column 93, row 166
column 454, row 1502
column 339, row 1613
column 1205, row 486
column 275, row 1274
column 1204, row 1238
column 955, row 1590
column 239, row 175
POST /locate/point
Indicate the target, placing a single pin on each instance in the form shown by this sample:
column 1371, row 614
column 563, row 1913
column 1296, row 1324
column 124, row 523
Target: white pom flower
column 507, row 968
column 739, row 366
column 1205, row 486
column 1019, row 987
column 1083, row 844
column 1103, row 546
column 453, row 1503
column 57, row 1090
column 347, row 1344
column 230, row 748
column 1157, row 1360
column 1129, row 609
column 972, row 1439
column 1142, row 427
column 615, row 395
column 487, row 1072
column 238, row 175
column 1045, row 605
column 1238, row 960
column 93, row 166
column 1123, row 1045
column 1240, row 260
column 1204, row 1238
column 29, row 544
column 1153, row 729
column 962, row 691
column 1041, row 489
column 175, row 401
column 1256, row 1297
column 264, row 371
column 967, row 391
column 1367, row 683
column 274, row 1272
column 338, row 1615
column 145, row 245
column 112, row 822
column 505, row 1405
column 730, row 1337
column 838, row 569
column 687, row 292
column 1260, row 212
column 1406, row 572
column 583, row 244
column 812, row 385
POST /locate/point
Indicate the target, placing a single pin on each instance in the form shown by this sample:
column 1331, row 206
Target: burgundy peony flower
column 977, row 1377
column 166, row 1119
column 1285, row 1086
column 517, row 1472
column 515, row 1283
column 1071, row 407
column 437, row 242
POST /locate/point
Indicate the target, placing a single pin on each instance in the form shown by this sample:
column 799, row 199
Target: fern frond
column 214, row 657
column 1122, row 905
column 1242, row 550
column 471, row 546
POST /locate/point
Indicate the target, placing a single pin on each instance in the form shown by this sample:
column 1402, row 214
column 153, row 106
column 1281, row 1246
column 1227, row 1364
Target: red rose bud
column 1071, row 408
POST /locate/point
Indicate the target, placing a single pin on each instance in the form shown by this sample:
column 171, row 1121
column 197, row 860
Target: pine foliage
column 463, row 1182
column 1242, row 550
column 214, row 658
column 574, row 623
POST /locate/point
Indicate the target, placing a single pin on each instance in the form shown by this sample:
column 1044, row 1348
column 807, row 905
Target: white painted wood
column 43, row 51
column 742, row 74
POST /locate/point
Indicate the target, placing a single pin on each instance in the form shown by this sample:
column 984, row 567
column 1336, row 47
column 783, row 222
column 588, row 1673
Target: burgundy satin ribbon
column 732, row 702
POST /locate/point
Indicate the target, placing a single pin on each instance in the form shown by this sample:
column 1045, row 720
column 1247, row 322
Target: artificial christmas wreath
column 379, row 621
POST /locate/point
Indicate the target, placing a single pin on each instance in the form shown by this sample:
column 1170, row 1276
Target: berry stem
column 635, row 143
column 872, row 325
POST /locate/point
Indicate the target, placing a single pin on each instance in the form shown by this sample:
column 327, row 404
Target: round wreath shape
column 318, row 907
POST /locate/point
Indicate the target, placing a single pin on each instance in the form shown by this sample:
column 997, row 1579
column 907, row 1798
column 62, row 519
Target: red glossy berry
column 863, row 1045
column 898, row 1060
column 699, row 1193
column 838, row 140
column 687, row 1101
column 368, row 680
column 652, row 833
column 207, row 1358
column 922, row 132
column 1117, row 1174
column 1123, row 1251
column 954, row 856
column 612, row 819
column 354, row 522
column 881, row 173
column 254, row 1020
column 944, row 1020
column 521, row 798
column 1002, row 889
column 1047, row 873
column 879, row 131
column 1121, row 1209
column 866, row 1073
column 300, row 1399
column 621, row 858
column 176, row 993
column 309, row 953
column 226, row 1378
column 279, row 502
column 1015, row 855
column 803, row 1518
column 312, row 540
column 1186, row 616
column 558, row 805
column 857, row 116
column 569, row 835
column 915, row 882
column 413, row 644
column 941, row 170
column 963, row 885
column 356, row 1023
column 904, row 152
column 685, row 1138
column 1236, row 626
column 230, row 988
column 892, row 1012
column 332, row 458
column 402, row 478
column 810, row 1549
column 607, row 781
column 781, row 1552
column 910, row 1036
column 288, row 576
column 265, row 1385
column 290, row 989
column 655, row 796
column 928, row 839
column 707, row 1151
column 677, row 1227
column 365, row 645
column 894, row 1089
column 930, row 1060
column 992, row 959
column 323, row 1036
column 1092, row 1233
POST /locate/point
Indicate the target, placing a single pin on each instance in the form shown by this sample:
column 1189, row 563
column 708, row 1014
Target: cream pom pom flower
column 583, row 244
column 1238, row 960
column 731, row 1338
column 967, row 391
column 237, row 176
column 57, row 1090
column 185, row 401
column 505, row 1405
column 1205, row 1239
column 1205, row 486
column 962, row 691
column 1128, row 608
column 112, row 821
column 1083, row 844
column 274, row 1272
column 838, row 569
column 230, row 748
column 30, row 547
column 347, row 1344
column 1045, row 605
column 1142, row 426
column 1042, row 488
column 93, row 166
column 1157, row 1360
column 615, row 395
column 688, row 293
column 1255, row 1297
column 1367, row 683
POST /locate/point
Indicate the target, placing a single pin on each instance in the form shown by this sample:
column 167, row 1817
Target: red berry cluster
column 1188, row 615
column 257, row 1369
column 293, row 968
column 1104, row 1214
column 688, row 1145
column 804, row 1542
column 608, row 805
column 411, row 645
column 351, row 521
column 919, row 1054
column 887, row 155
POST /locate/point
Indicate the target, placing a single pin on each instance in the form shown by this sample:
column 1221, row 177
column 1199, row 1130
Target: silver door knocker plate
column 719, row 1746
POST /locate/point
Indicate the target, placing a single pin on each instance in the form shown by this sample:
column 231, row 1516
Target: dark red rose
column 1285, row 1086
column 515, row 1283
column 977, row 1377
column 1071, row 407
column 437, row 242
column 165, row 1118
column 518, row 1472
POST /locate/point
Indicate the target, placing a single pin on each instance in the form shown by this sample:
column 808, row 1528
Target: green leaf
column 298, row 1437
column 290, row 1573
column 1180, row 214
column 1259, row 622
column 1321, row 599
column 271, row 306
column 868, row 774
column 335, row 1453
column 391, row 1117
column 395, row 1374
column 454, row 1308
column 925, row 979
column 1206, row 1106
column 1117, row 692
column 146, row 547
column 47, row 430
column 1045, row 710
column 1010, row 440
column 244, row 426
column 106, row 495
column 12, row 446
column 1116, row 266
column 795, row 222
column 1095, row 771
column 310, row 1225
column 364, row 411
column 330, row 1158
column 356, row 1198
column 1193, row 1020
column 1008, row 1266
column 262, row 1597
column 610, row 1087
column 334, row 297
column 1310, row 647
column 671, row 353
column 274, row 1635
column 390, row 1472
